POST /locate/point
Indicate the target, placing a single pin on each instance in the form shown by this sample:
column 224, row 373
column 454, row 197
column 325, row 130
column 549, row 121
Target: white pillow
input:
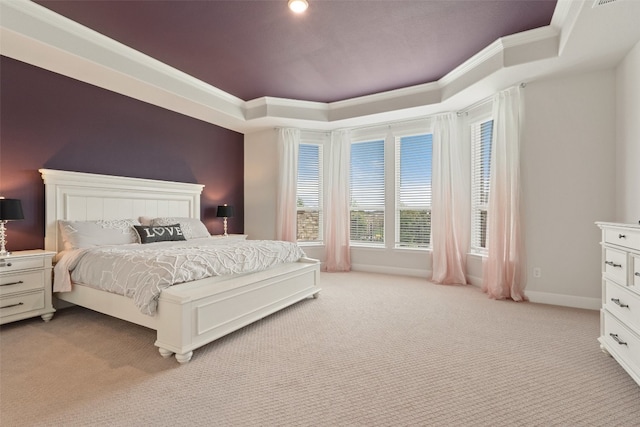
column 85, row 234
column 192, row 228
column 145, row 220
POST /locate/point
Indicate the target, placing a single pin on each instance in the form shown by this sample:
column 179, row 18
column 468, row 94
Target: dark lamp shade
column 10, row 209
column 225, row 211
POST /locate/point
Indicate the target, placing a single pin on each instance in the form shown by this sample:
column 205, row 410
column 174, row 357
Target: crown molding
column 36, row 35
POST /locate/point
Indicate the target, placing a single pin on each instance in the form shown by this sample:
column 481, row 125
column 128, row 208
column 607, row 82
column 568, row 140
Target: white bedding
column 141, row 272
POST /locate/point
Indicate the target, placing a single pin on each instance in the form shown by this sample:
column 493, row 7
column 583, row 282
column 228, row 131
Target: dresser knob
column 637, row 273
column 5, row 264
column 622, row 236
column 612, row 264
column 617, row 302
column 617, row 339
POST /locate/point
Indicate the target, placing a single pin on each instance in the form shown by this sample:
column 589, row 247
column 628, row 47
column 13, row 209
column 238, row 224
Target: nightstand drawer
column 18, row 282
column 21, row 303
column 14, row 264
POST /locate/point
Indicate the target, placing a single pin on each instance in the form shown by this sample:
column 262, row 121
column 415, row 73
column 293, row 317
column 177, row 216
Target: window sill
column 476, row 254
column 410, row 249
column 311, row 244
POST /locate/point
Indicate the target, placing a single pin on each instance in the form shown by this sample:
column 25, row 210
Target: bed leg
column 184, row 357
column 165, row 353
column 316, row 295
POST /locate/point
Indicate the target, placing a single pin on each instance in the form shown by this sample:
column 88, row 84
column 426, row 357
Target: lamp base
column 3, row 239
column 225, row 227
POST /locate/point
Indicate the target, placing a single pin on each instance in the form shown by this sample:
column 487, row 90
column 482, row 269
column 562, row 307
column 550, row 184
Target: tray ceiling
column 337, row 50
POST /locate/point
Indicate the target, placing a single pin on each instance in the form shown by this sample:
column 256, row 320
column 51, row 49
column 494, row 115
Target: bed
column 188, row 315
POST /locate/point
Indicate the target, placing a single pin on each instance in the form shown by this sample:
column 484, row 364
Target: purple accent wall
column 51, row 121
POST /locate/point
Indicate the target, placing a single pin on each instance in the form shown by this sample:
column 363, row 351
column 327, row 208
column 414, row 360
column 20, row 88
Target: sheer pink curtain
column 337, row 217
column 504, row 265
column 286, row 213
column 450, row 210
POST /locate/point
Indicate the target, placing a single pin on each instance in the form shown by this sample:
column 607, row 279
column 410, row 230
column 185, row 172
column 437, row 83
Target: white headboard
column 80, row 196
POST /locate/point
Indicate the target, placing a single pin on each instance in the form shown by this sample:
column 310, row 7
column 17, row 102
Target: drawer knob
column 617, row 339
column 6, row 264
column 12, row 305
column 637, row 273
column 617, row 302
column 612, row 264
column 622, row 236
column 19, row 282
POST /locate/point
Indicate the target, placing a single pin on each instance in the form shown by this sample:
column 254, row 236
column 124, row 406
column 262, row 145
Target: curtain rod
column 483, row 101
column 391, row 123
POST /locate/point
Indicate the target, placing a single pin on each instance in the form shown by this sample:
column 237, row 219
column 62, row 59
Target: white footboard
column 190, row 316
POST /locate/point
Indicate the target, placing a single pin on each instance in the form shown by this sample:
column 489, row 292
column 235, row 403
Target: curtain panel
column 337, row 215
column 450, row 207
column 503, row 275
column 286, row 213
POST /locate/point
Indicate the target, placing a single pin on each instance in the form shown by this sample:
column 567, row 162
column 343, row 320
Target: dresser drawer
column 635, row 276
column 615, row 265
column 622, row 342
column 627, row 238
column 17, row 282
column 625, row 305
column 10, row 264
column 21, row 303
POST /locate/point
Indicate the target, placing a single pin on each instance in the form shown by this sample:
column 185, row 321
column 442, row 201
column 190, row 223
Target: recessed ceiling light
column 298, row 6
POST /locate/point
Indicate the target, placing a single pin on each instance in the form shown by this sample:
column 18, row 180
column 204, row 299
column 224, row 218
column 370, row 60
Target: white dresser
column 25, row 286
column 620, row 313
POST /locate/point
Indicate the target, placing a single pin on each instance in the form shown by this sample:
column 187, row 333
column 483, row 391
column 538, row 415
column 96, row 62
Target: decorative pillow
column 159, row 233
column 85, row 234
column 192, row 228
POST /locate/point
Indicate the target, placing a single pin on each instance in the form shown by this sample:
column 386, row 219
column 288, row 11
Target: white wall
column 568, row 176
column 628, row 138
column 260, row 184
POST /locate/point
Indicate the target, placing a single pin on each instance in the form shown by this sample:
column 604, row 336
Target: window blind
column 367, row 192
column 481, row 136
column 309, row 193
column 413, row 190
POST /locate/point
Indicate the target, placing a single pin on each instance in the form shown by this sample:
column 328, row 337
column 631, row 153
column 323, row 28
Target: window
column 413, row 191
column 481, row 135
column 309, row 193
column 367, row 192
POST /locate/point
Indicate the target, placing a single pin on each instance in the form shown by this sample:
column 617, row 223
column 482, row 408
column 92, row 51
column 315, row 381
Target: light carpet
column 373, row 350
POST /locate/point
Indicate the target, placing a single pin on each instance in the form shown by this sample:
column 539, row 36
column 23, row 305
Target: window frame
column 475, row 119
column 396, row 178
column 313, row 139
column 383, row 207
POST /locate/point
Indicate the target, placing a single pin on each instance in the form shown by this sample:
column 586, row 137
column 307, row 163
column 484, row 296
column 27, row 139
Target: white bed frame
column 189, row 315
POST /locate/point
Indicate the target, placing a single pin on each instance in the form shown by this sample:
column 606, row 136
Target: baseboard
column 552, row 299
column 535, row 297
column 564, row 300
column 395, row 271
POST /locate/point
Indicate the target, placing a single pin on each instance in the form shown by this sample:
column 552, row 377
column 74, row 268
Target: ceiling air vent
column 599, row 3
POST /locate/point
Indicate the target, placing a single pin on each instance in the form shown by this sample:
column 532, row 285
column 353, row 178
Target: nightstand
column 25, row 286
